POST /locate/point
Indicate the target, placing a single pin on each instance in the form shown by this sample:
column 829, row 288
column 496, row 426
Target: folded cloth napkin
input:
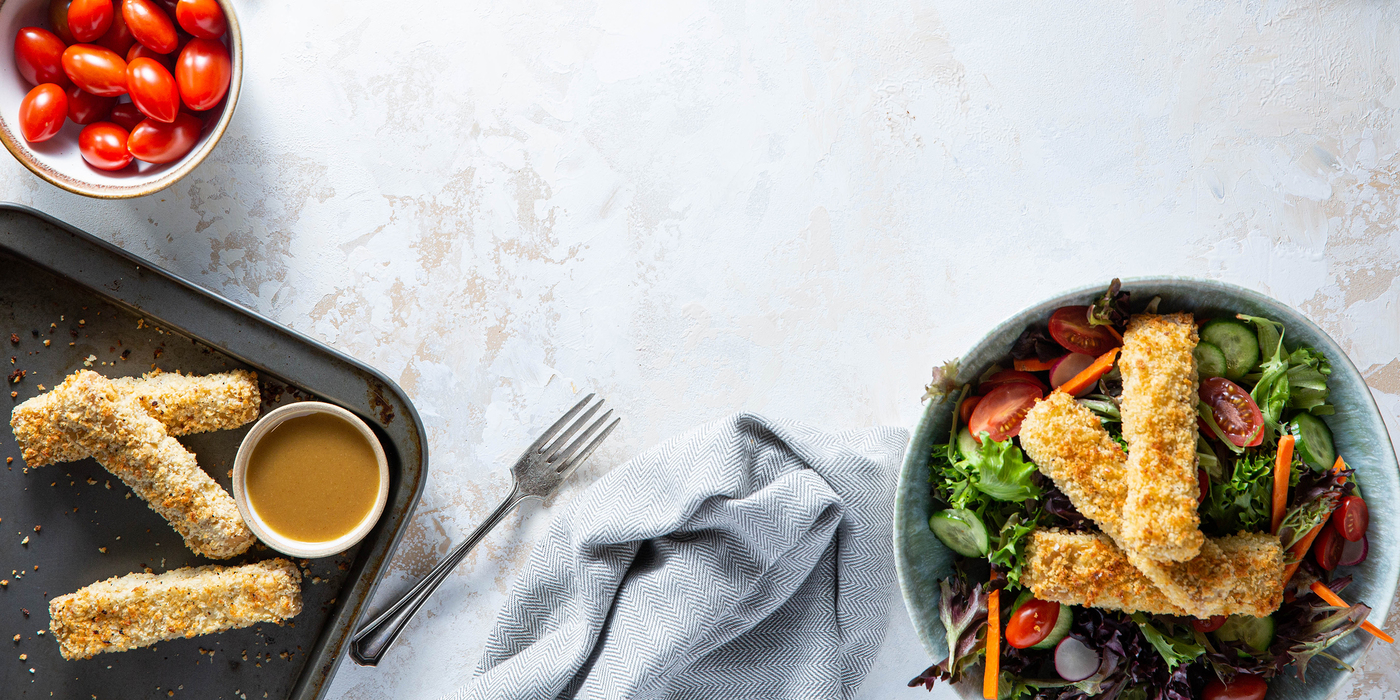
column 749, row 558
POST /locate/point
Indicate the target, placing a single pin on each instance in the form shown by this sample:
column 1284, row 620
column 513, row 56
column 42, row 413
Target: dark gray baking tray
column 97, row 304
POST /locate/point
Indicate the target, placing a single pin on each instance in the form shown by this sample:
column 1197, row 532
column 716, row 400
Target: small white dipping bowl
column 286, row 545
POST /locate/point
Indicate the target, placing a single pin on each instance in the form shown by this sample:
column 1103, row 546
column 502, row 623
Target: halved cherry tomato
column 1000, row 412
column 150, row 25
column 103, row 146
column 158, row 142
column 88, row 20
column 1009, row 376
column 95, row 69
column 86, row 108
column 1032, row 623
column 153, row 90
column 119, row 37
column 1327, row 549
column 203, row 73
column 1203, row 482
column 968, row 405
column 58, row 17
column 126, row 115
column 39, row 56
column 1244, row 687
column 1069, row 326
column 1234, row 411
column 1352, row 518
column 42, row 111
column 202, row 18
column 1211, row 624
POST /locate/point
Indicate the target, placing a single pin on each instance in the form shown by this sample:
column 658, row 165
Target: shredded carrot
column 1300, row 550
column 1282, row 471
column 1034, row 364
column 1091, row 374
column 1326, row 594
column 991, row 681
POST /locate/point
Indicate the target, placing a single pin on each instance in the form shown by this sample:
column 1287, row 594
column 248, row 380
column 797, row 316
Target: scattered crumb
column 108, row 485
column 25, row 540
column 9, row 460
column 91, row 481
column 16, row 639
column 41, row 388
column 90, row 359
column 14, row 339
column 37, row 528
column 102, row 549
column 23, row 657
column 4, row 582
column 47, row 342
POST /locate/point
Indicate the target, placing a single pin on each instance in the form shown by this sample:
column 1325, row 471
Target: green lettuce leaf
column 1003, row 472
column 1175, row 650
column 1242, row 502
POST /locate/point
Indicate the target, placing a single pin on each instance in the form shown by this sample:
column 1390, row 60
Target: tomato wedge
column 1328, row 547
column 999, row 413
column 969, row 404
column 1211, row 624
column 1032, row 623
column 1009, row 376
column 1243, row 687
column 1352, row 518
column 1069, row 326
column 1234, row 411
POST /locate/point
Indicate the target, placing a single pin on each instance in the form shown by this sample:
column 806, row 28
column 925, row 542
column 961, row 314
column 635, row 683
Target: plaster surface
column 799, row 208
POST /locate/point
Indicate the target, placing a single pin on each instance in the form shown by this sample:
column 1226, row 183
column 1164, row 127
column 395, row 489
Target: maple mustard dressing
column 313, row 478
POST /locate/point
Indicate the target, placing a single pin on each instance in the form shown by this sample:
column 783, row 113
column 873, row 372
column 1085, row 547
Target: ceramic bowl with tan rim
column 310, row 479
column 58, row 160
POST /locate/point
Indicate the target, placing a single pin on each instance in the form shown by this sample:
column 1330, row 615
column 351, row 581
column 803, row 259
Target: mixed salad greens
column 1261, row 406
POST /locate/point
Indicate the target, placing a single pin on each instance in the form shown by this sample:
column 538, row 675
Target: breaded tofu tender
column 184, row 404
column 135, row 448
column 1237, row 575
column 138, row 610
column 1068, row 443
column 1159, row 424
column 1086, row 568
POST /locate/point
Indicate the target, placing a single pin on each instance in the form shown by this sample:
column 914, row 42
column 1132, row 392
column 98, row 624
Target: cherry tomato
column 153, row 90
column 86, row 108
column 158, row 142
column 202, row 18
column 1244, row 687
column 103, row 146
column 58, row 17
column 1000, row 412
column 968, row 405
column 1328, row 547
column 126, row 115
column 1069, row 326
column 1203, row 483
column 1009, row 376
column 1032, row 623
column 89, row 19
column 42, row 111
column 119, row 37
column 95, row 69
column 1213, row 623
column 39, row 56
column 203, row 73
column 1234, row 411
column 139, row 50
column 150, row 25
column 1352, row 518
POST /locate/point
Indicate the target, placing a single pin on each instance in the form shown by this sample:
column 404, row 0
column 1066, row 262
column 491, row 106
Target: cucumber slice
column 1210, row 361
column 962, row 531
column 1314, row 441
column 967, row 445
column 1256, row 632
column 1237, row 342
column 1060, row 630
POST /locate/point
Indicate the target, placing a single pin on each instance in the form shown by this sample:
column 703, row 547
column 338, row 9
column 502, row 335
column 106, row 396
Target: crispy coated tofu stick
column 138, row 610
column 1087, row 569
column 135, row 447
column 184, row 404
column 1159, row 425
column 1068, row 443
column 1239, row 574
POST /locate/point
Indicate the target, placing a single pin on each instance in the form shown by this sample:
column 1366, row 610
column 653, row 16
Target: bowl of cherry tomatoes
column 117, row 98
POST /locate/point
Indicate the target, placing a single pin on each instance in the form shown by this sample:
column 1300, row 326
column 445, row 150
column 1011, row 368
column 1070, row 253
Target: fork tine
column 563, row 438
column 568, row 464
column 544, row 437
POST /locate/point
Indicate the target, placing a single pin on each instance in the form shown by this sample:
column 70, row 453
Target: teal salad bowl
column 1360, row 435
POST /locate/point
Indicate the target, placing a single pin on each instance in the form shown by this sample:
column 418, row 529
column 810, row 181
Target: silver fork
column 537, row 474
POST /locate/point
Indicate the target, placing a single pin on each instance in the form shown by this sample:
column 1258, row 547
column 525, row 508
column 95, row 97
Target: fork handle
column 368, row 645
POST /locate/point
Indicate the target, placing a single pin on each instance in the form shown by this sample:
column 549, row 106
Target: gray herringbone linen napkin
column 749, row 558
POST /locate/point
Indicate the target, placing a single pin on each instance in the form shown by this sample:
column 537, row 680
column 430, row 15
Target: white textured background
column 799, row 208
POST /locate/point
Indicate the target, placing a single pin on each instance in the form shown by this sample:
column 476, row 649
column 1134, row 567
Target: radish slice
column 1069, row 366
column 1354, row 553
column 1074, row 660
